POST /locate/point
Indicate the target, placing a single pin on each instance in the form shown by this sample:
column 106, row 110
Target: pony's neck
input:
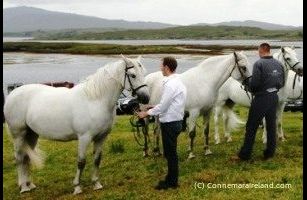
column 220, row 70
column 105, row 84
column 278, row 56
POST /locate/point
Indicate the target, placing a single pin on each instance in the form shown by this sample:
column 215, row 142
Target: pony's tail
column 233, row 121
column 36, row 156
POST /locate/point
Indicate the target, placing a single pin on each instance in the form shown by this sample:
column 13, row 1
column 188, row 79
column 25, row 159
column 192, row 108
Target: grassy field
column 127, row 175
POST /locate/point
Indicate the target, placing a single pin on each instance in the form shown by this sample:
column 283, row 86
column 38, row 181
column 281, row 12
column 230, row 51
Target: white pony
column 84, row 113
column 232, row 93
column 202, row 83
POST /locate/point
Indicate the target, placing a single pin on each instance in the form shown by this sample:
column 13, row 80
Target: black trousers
column 170, row 132
column 262, row 106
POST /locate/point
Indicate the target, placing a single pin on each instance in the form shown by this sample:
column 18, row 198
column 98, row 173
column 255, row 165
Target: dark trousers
column 170, row 132
column 262, row 106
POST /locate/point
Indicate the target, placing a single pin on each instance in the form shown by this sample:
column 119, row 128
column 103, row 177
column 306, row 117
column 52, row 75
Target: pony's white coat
column 85, row 112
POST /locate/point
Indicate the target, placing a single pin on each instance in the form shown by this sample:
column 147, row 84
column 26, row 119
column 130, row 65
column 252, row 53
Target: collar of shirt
column 267, row 57
column 169, row 77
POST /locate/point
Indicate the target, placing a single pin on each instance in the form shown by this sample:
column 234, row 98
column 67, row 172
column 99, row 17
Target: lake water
column 38, row 68
column 161, row 42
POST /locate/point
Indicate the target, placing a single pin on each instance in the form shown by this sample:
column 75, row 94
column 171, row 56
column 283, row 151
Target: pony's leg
column 225, row 126
column 97, row 159
column 217, row 112
column 279, row 113
column 264, row 134
column 145, row 133
column 84, row 141
column 23, row 159
column 31, row 139
column 22, row 162
column 206, row 119
column 192, row 131
column 157, row 133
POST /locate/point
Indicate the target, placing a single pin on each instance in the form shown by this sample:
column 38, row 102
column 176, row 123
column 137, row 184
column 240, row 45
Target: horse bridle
column 293, row 86
column 241, row 73
column 286, row 61
column 236, row 65
column 127, row 76
column 291, row 67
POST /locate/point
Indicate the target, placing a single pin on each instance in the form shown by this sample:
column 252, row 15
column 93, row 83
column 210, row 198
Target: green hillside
column 182, row 32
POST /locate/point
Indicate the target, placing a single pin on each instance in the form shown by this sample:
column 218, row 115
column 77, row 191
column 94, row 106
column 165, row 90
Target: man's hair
column 170, row 62
column 265, row 46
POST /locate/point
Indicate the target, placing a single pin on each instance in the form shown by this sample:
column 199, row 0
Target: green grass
column 125, row 174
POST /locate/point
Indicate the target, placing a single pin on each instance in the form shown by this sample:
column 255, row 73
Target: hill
column 22, row 19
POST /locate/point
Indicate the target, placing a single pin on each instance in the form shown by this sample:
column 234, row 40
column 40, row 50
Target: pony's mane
column 96, row 85
column 212, row 59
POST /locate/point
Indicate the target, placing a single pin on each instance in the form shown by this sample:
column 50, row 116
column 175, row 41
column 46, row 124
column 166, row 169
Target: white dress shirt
column 171, row 106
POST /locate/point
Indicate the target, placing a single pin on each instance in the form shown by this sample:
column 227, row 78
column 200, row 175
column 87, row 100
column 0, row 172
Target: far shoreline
column 116, row 49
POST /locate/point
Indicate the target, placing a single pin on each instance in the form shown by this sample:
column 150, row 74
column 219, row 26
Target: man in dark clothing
column 266, row 80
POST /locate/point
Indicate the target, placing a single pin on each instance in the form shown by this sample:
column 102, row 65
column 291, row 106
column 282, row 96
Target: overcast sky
column 181, row 12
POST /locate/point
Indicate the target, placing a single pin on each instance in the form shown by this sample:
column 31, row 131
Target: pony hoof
column 77, row 190
column 282, row 139
column 191, row 156
column 145, row 155
column 32, row 186
column 208, row 152
column 229, row 139
column 97, row 186
column 25, row 189
column 158, row 154
column 217, row 141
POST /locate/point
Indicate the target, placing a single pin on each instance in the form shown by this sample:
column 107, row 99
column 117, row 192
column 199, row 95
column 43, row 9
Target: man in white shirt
column 171, row 112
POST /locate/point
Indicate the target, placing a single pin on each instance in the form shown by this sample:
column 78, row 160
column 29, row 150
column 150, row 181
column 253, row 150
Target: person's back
column 268, row 76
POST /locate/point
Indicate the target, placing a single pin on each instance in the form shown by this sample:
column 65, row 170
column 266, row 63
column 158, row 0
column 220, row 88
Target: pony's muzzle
column 143, row 98
column 143, row 95
column 300, row 71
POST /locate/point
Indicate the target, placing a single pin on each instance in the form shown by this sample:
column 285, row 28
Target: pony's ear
column 124, row 58
column 293, row 47
column 139, row 58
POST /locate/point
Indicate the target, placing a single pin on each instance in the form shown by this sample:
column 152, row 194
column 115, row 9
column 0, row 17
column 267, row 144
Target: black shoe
column 163, row 185
column 267, row 158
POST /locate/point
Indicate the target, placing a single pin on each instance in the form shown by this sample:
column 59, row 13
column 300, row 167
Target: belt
column 271, row 90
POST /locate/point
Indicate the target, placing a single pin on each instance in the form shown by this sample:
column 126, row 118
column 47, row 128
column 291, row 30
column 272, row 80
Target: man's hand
column 147, row 107
column 142, row 114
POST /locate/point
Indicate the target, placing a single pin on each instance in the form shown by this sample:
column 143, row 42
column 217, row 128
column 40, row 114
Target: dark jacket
column 267, row 77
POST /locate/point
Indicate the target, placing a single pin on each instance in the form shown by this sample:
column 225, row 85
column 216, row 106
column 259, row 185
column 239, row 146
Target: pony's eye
column 244, row 69
column 287, row 58
column 132, row 76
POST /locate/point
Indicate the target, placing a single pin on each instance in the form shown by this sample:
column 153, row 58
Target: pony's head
column 240, row 69
column 134, row 80
column 287, row 56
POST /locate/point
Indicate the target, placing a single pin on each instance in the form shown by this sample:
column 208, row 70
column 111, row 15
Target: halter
column 293, row 86
column 236, row 65
column 127, row 76
column 286, row 61
column 242, row 75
